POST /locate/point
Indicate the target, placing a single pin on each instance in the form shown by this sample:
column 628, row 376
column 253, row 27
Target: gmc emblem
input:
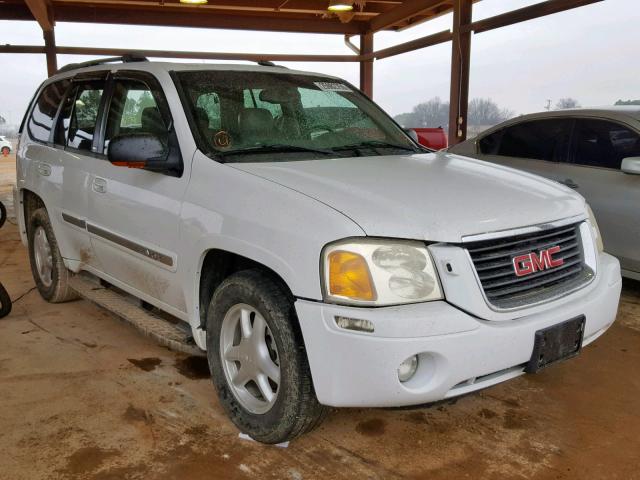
column 535, row 262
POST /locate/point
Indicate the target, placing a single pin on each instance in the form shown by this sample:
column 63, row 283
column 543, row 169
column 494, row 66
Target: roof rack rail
column 128, row 58
column 267, row 63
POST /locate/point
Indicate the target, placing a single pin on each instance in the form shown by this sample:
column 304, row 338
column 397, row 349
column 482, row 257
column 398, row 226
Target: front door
column 134, row 213
column 593, row 169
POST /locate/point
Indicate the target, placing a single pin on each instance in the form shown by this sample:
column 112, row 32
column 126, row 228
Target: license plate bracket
column 556, row 343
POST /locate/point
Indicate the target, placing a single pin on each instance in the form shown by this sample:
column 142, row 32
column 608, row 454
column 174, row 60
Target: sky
column 589, row 53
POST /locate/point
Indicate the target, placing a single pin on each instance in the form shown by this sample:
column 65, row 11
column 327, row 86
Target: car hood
column 436, row 197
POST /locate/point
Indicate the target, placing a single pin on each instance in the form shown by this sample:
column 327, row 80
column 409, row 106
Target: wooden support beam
column 526, row 13
column 460, row 60
column 118, row 52
column 404, row 11
column 42, row 12
column 188, row 18
column 22, row 49
column 199, row 19
column 311, row 7
column 429, row 40
column 366, row 66
column 251, row 57
column 50, row 51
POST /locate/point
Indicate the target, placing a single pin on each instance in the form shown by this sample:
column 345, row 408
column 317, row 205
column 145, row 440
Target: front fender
column 275, row 226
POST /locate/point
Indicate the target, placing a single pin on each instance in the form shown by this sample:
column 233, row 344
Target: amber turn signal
column 130, row 164
column 349, row 276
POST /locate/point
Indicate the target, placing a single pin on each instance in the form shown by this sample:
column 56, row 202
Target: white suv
column 319, row 255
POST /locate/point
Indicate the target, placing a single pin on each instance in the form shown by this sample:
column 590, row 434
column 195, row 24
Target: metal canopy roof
column 308, row 16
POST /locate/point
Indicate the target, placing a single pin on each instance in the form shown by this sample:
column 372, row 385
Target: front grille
column 493, row 261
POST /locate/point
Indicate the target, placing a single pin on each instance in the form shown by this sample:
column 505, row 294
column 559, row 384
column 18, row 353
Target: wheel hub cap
column 250, row 358
column 43, row 256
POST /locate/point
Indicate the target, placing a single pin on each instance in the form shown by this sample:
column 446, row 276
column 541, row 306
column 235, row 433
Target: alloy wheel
column 43, row 257
column 249, row 358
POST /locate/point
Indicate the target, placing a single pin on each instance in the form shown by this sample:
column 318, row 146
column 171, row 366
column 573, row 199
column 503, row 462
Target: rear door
column 133, row 213
column 55, row 173
column 598, row 147
column 536, row 146
column 75, row 135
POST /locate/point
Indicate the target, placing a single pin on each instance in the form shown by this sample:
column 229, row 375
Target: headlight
column 379, row 272
column 596, row 231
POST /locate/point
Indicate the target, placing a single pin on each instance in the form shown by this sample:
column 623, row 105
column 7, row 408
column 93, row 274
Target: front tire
column 47, row 266
column 257, row 359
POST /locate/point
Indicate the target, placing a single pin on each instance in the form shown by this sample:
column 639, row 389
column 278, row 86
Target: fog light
column 354, row 324
column 407, row 369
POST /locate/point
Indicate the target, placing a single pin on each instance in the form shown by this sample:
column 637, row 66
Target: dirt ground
column 83, row 395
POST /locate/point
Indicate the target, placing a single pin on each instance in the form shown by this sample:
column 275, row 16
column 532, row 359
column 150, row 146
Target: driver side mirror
column 139, row 150
column 631, row 165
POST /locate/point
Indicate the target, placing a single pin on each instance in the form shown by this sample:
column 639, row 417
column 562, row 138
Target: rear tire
column 3, row 214
column 270, row 407
column 5, row 302
column 47, row 266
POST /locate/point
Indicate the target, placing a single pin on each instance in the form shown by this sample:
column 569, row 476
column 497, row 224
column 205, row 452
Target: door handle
column 99, row 185
column 569, row 183
column 43, row 169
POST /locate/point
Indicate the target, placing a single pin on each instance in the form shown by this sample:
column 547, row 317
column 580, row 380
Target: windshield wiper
column 374, row 144
column 272, row 149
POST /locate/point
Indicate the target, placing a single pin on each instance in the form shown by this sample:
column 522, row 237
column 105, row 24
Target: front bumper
column 458, row 353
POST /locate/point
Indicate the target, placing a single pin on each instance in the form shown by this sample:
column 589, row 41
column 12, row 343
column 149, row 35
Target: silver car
column 594, row 151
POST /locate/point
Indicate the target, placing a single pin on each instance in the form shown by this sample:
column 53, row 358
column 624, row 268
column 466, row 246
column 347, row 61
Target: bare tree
column 406, row 120
column 432, row 113
column 486, row 112
column 435, row 113
column 567, row 103
column 627, row 102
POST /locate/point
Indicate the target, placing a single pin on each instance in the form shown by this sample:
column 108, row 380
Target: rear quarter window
column 40, row 121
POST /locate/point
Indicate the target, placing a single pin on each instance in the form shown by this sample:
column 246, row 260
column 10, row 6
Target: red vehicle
column 433, row 138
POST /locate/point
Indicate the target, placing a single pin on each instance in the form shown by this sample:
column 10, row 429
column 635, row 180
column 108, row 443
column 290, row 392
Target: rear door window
column 44, row 111
column 600, row 143
column 79, row 116
column 538, row 139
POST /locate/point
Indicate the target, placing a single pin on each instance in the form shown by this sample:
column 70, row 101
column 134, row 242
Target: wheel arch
column 27, row 202
column 31, row 201
column 216, row 265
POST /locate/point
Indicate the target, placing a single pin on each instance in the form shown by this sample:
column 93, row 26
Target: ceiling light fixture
column 194, row 2
column 340, row 6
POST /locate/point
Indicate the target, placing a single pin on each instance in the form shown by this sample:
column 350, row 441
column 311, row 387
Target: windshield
column 242, row 116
